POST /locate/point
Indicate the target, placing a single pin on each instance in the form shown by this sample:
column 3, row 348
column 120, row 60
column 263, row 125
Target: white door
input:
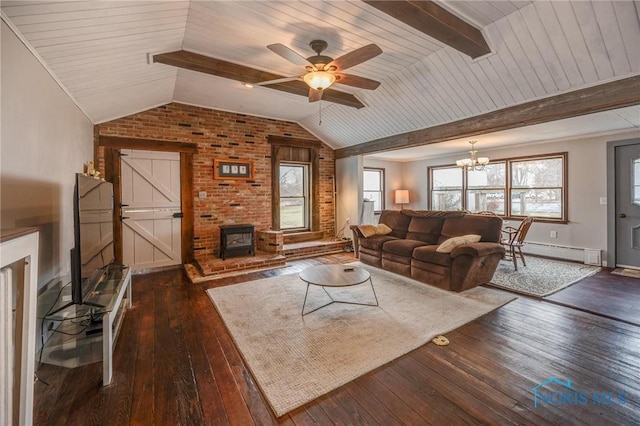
column 151, row 224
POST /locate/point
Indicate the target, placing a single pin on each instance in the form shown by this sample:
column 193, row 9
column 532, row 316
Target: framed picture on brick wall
column 232, row 169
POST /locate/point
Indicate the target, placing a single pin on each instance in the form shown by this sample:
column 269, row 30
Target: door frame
column 112, row 146
column 611, row 197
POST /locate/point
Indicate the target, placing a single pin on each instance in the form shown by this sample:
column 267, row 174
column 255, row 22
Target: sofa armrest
column 478, row 249
column 356, row 239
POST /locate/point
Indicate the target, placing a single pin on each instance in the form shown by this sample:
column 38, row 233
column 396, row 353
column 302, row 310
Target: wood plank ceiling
column 99, row 52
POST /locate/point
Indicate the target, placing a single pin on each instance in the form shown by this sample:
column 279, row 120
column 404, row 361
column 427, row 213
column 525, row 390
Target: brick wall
column 225, row 135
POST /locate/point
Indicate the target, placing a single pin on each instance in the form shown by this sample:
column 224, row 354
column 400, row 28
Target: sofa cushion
column 488, row 227
column 430, row 255
column 370, row 230
column 395, row 220
column 376, row 242
column 401, row 247
column 425, row 229
column 448, row 245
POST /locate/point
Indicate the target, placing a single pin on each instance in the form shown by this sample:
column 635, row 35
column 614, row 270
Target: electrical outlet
column 554, row 234
column 202, row 194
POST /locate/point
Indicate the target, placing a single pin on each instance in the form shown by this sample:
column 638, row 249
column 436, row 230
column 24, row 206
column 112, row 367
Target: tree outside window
column 486, row 189
column 294, row 196
column 536, row 187
column 446, row 188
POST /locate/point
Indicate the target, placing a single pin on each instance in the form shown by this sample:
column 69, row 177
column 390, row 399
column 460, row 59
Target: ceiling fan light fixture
column 319, row 80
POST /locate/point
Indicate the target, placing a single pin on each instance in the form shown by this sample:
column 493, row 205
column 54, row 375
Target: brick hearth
column 209, row 267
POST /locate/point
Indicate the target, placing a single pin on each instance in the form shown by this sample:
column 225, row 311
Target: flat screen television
column 93, row 234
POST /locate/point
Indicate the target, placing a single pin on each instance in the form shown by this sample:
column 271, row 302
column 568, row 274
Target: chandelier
column 319, row 80
column 474, row 163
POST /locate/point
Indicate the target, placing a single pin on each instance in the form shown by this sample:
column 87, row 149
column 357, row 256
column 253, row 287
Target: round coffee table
column 335, row 276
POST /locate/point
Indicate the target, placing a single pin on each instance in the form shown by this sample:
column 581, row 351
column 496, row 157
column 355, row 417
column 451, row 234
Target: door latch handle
column 178, row 215
column 123, row 218
column 124, row 205
column 622, row 215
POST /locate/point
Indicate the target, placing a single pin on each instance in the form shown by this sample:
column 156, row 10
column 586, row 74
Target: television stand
column 110, row 300
column 93, row 328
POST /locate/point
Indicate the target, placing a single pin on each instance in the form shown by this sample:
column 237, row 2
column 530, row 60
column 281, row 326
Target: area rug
column 541, row 277
column 626, row 272
column 296, row 359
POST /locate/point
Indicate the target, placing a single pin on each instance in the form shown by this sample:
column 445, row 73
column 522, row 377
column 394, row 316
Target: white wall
column 45, row 140
column 349, row 192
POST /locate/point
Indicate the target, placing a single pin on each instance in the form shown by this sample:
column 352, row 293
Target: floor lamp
column 402, row 197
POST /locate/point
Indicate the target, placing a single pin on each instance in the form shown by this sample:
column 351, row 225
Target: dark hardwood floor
column 605, row 294
column 175, row 363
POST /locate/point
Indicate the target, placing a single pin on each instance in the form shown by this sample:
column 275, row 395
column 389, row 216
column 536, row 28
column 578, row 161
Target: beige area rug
column 295, row 360
column 541, row 277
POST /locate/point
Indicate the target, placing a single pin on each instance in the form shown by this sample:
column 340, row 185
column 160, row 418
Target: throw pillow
column 367, row 230
column 448, row 245
column 383, row 229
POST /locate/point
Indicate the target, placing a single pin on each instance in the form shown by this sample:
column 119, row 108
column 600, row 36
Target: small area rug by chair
column 541, row 277
column 296, row 359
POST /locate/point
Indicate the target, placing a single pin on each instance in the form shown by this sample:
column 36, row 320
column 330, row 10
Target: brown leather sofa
column 410, row 248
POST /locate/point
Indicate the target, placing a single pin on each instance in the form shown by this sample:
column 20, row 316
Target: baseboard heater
column 587, row 256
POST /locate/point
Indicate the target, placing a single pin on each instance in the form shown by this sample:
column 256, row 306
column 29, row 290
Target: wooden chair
column 513, row 239
column 486, row 213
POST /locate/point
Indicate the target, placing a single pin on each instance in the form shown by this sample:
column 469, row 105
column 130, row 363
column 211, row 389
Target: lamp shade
column 319, row 80
column 402, row 196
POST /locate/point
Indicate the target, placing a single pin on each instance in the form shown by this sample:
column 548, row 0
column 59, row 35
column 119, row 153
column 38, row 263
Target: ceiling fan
column 322, row 71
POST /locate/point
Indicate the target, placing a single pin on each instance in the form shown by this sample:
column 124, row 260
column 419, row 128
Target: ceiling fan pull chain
column 320, row 109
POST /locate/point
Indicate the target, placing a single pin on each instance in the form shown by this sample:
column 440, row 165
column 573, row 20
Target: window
column 513, row 187
column 446, row 188
column 536, row 187
column 486, row 188
column 294, row 196
column 373, row 187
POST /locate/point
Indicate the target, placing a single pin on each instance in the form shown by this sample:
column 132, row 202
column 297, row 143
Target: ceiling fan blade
column 279, row 80
column 218, row 67
column 356, row 81
column 315, row 95
column 288, row 54
column 354, row 58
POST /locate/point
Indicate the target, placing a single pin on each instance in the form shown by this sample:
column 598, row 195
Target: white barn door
column 151, row 224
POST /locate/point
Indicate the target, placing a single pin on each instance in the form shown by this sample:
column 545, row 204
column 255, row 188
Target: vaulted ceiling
column 102, row 52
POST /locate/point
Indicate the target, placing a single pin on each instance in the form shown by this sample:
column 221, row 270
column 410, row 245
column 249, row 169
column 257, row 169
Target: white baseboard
column 577, row 254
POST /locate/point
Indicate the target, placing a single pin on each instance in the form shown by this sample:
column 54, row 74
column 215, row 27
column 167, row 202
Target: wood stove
column 236, row 240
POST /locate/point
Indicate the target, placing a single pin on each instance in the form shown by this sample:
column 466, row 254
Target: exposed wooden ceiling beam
column 436, row 22
column 616, row 94
column 205, row 64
